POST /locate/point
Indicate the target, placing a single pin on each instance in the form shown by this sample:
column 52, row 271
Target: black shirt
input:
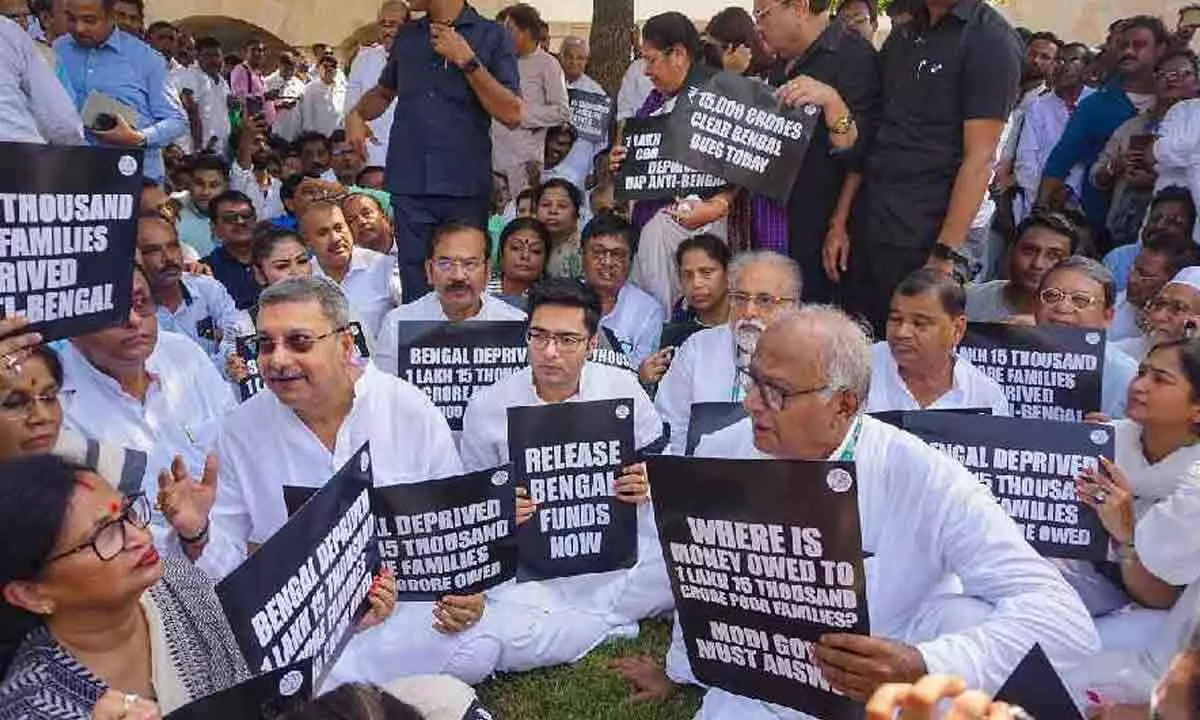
column 844, row 60
column 237, row 278
column 967, row 67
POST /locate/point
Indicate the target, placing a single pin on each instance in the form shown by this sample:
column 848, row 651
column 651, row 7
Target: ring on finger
column 1101, row 496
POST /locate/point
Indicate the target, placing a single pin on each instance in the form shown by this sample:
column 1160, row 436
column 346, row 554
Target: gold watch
column 842, row 125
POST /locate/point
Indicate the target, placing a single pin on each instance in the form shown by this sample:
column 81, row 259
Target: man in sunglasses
column 136, row 387
column 233, row 218
column 924, row 517
column 558, row 621
column 459, row 271
column 709, row 367
column 321, row 409
column 1080, row 292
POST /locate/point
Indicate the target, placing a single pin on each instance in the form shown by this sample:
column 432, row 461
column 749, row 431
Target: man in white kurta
column 706, row 367
column 318, row 411
column 558, row 621
column 924, row 518
column 577, row 165
column 364, row 74
column 459, row 272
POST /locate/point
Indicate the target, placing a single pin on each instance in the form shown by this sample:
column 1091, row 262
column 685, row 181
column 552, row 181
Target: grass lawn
column 587, row 690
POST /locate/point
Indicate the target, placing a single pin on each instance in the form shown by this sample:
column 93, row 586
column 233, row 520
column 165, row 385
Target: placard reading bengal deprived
column 646, row 174
column 66, row 250
column 303, row 592
column 450, row 362
column 568, row 457
column 734, row 128
column 764, row 556
column 1048, row 373
column 591, row 114
column 1030, row 467
column 453, row 536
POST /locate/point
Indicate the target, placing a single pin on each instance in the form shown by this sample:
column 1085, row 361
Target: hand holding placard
column 455, row 613
column 857, row 665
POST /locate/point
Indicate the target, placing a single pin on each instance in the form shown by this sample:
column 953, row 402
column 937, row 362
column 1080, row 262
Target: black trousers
column 416, row 217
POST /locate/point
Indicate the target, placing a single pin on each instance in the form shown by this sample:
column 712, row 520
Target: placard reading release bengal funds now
column 67, row 229
column 764, row 556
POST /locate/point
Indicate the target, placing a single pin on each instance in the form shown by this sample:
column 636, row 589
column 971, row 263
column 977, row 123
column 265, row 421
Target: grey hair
column 767, row 257
column 845, row 347
column 1090, row 269
column 573, row 40
column 312, row 288
column 401, row 5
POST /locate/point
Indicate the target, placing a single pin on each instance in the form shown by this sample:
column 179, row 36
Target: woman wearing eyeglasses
column 88, row 604
column 1172, row 314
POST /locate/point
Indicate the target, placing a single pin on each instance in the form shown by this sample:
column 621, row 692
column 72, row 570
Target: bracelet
column 1126, row 551
column 841, row 126
column 197, row 538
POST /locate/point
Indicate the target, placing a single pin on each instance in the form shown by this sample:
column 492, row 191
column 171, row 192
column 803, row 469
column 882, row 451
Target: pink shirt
column 245, row 82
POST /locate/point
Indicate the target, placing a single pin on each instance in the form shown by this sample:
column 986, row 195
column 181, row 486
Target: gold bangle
column 842, row 125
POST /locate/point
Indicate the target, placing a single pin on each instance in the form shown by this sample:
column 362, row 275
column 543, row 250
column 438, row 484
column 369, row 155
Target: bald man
column 573, row 54
column 364, row 74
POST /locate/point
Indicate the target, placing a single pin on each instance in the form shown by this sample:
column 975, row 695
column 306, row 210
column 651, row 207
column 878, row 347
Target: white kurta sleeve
column 387, row 344
column 674, row 398
column 645, row 341
column 479, row 451
column 1178, row 143
column 231, row 513
column 1166, row 538
column 984, row 548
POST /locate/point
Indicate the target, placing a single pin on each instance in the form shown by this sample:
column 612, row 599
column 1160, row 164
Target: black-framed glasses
column 774, row 397
column 565, row 341
column 1078, row 300
column 109, row 539
column 297, row 342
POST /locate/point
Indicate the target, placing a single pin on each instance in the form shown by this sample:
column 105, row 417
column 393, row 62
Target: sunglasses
column 245, row 216
column 298, row 342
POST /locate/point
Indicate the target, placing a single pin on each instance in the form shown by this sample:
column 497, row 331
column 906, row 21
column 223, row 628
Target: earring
column 47, row 609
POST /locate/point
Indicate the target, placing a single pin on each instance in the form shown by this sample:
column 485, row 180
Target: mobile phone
column 254, row 105
column 1140, row 143
column 1189, row 17
column 104, row 121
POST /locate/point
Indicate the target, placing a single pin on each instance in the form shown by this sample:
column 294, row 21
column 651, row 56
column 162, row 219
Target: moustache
column 457, row 286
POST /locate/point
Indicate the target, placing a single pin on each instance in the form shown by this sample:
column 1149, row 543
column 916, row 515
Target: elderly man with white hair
column 1170, row 315
column 924, row 520
column 710, row 365
column 573, row 55
column 364, row 74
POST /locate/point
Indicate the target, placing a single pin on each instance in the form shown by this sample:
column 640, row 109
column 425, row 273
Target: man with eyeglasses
column 1042, row 240
column 232, row 216
column 608, row 245
column 132, row 386
column 365, row 276
column 321, row 408
column 1159, row 258
column 710, row 365
column 558, row 621
column 1080, row 292
column 1172, row 215
column 924, row 518
column 458, row 270
column 1172, row 314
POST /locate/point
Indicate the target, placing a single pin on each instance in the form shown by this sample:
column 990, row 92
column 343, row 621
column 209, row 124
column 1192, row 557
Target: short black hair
column 367, row 170
column 872, row 7
column 266, row 237
column 1179, row 250
column 337, row 136
column 1153, row 24
column 1045, row 36
column 1087, row 51
column 527, row 18
column 312, row 136
column 287, row 188
column 709, row 244
column 1054, row 222
column 458, row 226
column 229, row 197
column 665, row 31
column 1178, row 53
column 572, row 191
column 1088, row 268
column 951, row 295
column 207, row 42
column 525, row 223
column 211, row 162
column 895, row 7
column 159, row 24
column 567, row 292
column 528, row 194
column 1176, row 194
column 610, row 225
column 139, row 4
column 328, row 59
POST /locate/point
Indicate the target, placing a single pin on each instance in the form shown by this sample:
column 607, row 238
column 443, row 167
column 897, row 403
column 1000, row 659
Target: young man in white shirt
column 365, row 72
column 917, row 367
column 364, row 275
column 321, row 408
column 157, row 392
column 557, row 621
column 458, row 270
column 212, row 97
column 924, row 518
column 710, row 366
column 323, row 105
column 209, row 178
column 286, row 88
column 608, row 246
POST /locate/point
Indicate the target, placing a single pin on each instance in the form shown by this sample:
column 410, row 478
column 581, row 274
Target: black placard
column 764, row 556
column 734, row 128
column 1048, row 373
column 1030, row 466
column 568, row 456
column 450, row 362
column 360, row 339
column 68, row 219
column 675, row 334
column 264, row 697
column 709, row 417
column 611, row 351
column 253, row 383
column 647, row 174
column 1036, row 687
column 452, row 536
column 591, row 114
column 303, row 592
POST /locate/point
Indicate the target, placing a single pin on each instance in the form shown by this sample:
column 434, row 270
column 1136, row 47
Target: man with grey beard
column 710, row 366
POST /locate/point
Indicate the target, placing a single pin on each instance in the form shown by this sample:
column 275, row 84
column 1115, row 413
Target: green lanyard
column 847, row 453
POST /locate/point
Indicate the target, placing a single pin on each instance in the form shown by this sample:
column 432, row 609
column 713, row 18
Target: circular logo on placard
column 127, row 165
column 1099, row 436
column 622, row 412
column 291, row 683
column 811, row 110
column 1092, row 338
column 839, row 480
column 500, row 477
column 364, row 461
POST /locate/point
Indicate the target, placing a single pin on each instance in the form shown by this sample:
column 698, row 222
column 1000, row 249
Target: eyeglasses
column 1078, row 300
column 564, row 341
column 764, row 13
column 774, row 397
column 762, row 300
column 233, row 217
column 19, row 405
column 1174, row 308
column 298, row 342
column 469, row 265
column 1174, row 75
column 109, row 539
column 614, row 255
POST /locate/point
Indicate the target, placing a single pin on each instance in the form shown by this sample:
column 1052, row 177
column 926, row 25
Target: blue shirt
column 237, row 278
column 1119, row 262
column 440, row 142
column 134, row 74
column 1088, row 130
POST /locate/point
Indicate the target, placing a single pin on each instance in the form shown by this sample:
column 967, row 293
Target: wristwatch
column 470, row 66
column 942, row 251
column 842, row 125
